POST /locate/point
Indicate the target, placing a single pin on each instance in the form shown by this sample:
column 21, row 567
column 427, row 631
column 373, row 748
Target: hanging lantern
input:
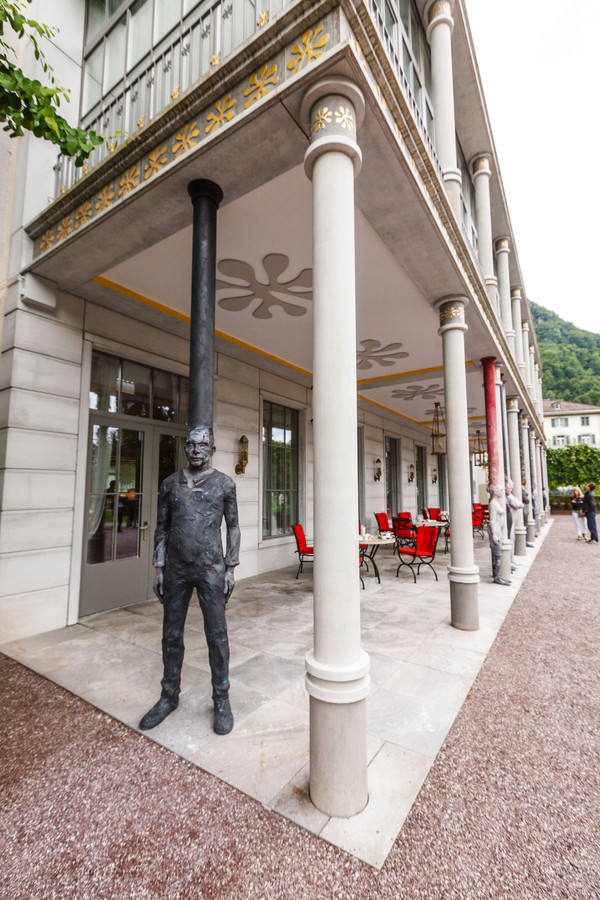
column 438, row 437
column 480, row 457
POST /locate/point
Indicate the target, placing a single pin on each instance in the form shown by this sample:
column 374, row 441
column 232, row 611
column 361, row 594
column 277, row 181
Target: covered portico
column 412, row 313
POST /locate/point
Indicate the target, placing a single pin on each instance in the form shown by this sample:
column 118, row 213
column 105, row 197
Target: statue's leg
column 177, row 593
column 212, row 603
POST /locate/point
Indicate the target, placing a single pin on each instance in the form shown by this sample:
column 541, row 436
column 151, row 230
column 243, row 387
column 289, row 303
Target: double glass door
column 127, row 460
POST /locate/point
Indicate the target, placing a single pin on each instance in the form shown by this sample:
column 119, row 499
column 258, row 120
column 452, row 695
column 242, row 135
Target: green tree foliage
column 26, row 104
column 573, row 465
column 570, row 358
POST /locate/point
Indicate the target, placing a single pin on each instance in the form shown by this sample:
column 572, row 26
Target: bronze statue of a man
column 188, row 554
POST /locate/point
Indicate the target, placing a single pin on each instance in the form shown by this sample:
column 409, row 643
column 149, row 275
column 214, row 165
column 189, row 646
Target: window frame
column 300, row 408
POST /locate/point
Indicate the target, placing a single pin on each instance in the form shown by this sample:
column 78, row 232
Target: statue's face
column 199, row 448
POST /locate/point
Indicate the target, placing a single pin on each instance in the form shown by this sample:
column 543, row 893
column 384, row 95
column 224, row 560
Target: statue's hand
column 157, row 585
column 229, row 583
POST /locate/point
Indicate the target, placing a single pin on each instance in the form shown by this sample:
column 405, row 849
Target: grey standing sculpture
column 188, row 555
column 496, row 529
column 511, row 503
column 188, row 548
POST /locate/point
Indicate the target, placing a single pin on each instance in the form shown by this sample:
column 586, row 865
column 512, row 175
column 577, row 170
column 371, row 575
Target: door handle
column 144, row 530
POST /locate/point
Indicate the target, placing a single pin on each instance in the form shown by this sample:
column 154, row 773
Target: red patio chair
column 435, row 513
column 422, row 554
column 404, row 531
column 383, row 523
column 477, row 519
column 302, row 548
column 425, row 513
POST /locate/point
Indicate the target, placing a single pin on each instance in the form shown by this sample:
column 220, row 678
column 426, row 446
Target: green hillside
column 570, row 358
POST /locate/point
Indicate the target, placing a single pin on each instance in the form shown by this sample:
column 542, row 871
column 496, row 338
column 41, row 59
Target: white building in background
column 568, row 423
column 366, row 270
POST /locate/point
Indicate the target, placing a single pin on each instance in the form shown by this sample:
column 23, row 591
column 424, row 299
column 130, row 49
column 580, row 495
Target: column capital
column 525, row 326
column 481, row 165
column 333, row 108
column 512, row 405
column 502, row 245
column 525, row 422
column 516, row 293
column 202, row 187
column 452, row 312
column 438, row 12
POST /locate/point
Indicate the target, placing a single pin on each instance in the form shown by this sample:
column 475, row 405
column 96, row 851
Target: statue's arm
column 232, row 553
column 161, row 540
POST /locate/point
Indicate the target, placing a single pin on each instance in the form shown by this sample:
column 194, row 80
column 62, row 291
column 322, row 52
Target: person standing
column 589, row 508
column 578, row 513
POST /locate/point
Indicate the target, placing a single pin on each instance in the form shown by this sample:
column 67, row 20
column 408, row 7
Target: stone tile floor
column 422, row 670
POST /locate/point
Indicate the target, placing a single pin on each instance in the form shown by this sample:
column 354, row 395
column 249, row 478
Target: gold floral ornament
column 259, row 82
column 156, row 160
column 310, row 49
column 343, row 117
column 186, row 139
column 129, row 181
column 64, row 228
column 105, row 197
column 141, row 121
column 224, row 113
column 175, row 93
column 47, row 239
column 321, row 118
column 216, row 59
column 448, row 313
column 83, row 214
column 263, row 19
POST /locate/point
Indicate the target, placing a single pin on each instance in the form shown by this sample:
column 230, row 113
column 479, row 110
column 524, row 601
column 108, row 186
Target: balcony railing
column 169, row 71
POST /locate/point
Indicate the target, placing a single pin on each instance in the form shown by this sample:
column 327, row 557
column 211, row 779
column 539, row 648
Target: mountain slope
column 570, row 358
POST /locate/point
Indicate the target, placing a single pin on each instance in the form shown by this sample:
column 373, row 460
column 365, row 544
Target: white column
column 463, row 574
column 337, row 676
column 540, row 487
column 512, row 413
column 525, row 329
column 530, row 517
column 535, row 497
column 524, row 350
column 505, row 559
column 438, row 14
column 545, row 467
column 502, row 266
column 532, row 386
column 536, row 388
column 483, row 214
column 515, row 299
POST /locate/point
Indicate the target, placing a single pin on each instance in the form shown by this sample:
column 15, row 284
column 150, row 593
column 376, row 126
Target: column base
column 338, row 757
column 464, row 599
column 505, row 564
column 530, row 533
column 520, row 542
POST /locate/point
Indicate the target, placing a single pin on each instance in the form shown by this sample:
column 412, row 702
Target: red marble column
column 491, row 419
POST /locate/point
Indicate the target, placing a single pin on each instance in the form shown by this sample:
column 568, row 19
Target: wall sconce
column 434, row 475
column 438, row 437
column 411, row 473
column 377, row 475
column 240, row 469
column 480, row 457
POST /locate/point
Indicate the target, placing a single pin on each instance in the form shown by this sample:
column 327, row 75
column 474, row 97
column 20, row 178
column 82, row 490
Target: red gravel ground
column 511, row 808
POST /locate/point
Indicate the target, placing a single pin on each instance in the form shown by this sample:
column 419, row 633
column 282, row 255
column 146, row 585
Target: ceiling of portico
column 264, row 296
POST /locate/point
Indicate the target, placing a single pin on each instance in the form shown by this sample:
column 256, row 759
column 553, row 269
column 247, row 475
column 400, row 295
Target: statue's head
column 199, row 447
column 495, row 490
column 508, row 486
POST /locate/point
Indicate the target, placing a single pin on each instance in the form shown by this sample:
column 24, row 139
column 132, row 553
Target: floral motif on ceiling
column 374, row 352
column 247, row 290
column 429, row 392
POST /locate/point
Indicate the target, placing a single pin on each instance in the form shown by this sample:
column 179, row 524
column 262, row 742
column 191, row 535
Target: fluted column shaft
column 463, row 574
column 337, row 668
column 502, row 266
column 515, row 298
column 439, row 35
column 483, row 214
column 512, row 414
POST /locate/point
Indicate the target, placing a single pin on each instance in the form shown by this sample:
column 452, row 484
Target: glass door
column 115, row 567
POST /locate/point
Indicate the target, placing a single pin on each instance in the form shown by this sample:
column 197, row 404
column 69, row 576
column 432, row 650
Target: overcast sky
column 539, row 64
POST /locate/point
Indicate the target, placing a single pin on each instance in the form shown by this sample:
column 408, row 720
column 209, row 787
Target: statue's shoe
column 223, row 722
column 158, row 713
column 501, row 581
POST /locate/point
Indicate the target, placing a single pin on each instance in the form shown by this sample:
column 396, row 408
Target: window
column 587, row 439
column 392, row 480
column 559, row 440
column 556, row 406
column 561, row 422
column 585, row 420
column 119, row 385
column 280, row 469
